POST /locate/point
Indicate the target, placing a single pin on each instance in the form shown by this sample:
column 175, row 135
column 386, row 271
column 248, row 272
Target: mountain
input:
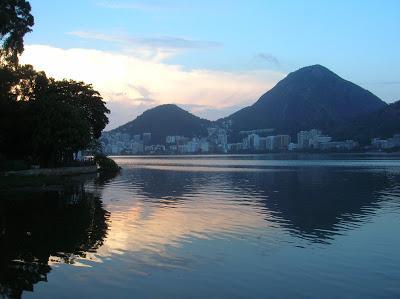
column 383, row 123
column 166, row 120
column 311, row 97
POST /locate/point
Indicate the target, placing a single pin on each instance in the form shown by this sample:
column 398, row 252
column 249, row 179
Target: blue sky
column 212, row 57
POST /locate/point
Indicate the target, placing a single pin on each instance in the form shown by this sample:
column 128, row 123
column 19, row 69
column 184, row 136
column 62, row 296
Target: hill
column 165, row 120
column 311, row 97
column 383, row 123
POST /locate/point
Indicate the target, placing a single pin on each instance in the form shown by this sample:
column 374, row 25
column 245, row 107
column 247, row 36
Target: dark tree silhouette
column 44, row 120
column 68, row 117
column 15, row 21
column 59, row 131
column 83, row 97
column 41, row 119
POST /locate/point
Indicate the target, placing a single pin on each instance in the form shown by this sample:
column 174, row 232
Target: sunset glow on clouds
column 132, row 83
column 210, row 57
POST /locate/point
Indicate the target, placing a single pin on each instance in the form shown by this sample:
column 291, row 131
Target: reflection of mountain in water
column 157, row 210
column 156, row 184
column 318, row 203
column 314, row 203
column 65, row 223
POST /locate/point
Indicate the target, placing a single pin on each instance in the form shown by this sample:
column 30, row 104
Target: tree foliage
column 59, row 131
column 84, row 98
column 15, row 21
column 106, row 164
column 45, row 120
column 42, row 120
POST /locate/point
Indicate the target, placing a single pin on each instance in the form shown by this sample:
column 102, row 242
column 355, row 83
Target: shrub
column 105, row 163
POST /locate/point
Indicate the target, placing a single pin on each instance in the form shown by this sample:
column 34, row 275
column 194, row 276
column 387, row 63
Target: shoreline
column 261, row 154
column 61, row 171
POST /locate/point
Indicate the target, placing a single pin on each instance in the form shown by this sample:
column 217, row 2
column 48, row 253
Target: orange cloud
column 138, row 80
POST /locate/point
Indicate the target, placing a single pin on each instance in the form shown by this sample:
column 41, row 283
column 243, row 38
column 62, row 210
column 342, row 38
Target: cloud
column 130, row 84
column 168, row 42
column 271, row 59
column 144, row 92
column 149, row 48
column 211, row 113
column 136, row 5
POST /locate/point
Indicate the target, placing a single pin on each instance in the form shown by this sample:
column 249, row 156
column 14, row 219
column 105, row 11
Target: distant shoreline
column 261, row 154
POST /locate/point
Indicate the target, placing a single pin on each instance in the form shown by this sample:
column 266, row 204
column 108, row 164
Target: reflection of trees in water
column 65, row 223
column 104, row 178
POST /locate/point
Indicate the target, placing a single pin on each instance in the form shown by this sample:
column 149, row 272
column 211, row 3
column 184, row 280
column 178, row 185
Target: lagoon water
column 259, row 226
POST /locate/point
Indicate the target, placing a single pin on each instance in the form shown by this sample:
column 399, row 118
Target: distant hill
column 382, row 123
column 165, row 120
column 311, row 97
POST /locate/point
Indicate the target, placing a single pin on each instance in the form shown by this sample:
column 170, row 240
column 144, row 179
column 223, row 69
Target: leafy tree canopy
column 41, row 119
column 45, row 120
column 15, row 21
column 83, row 97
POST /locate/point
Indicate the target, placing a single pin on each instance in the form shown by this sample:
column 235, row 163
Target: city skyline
column 140, row 54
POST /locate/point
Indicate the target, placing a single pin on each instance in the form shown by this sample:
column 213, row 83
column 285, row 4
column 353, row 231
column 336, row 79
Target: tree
column 69, row 117
column 85, row 98
column 19, row 87
column 59, row 131
column 44, row 120
column 15, row 21
column 41, row 119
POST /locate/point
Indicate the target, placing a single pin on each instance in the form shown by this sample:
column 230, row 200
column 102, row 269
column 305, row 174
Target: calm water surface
column 209, row 227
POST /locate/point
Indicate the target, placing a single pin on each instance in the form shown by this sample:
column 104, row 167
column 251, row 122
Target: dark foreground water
column 209, row 227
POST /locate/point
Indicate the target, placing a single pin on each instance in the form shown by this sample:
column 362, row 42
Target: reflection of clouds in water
column 151, row 229
column 303, row 201
column 163, row 208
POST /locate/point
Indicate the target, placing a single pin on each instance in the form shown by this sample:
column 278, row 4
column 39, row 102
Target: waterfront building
column 146, row 138
column 394, row 141
column 305, row 139
column 389, row 143
column 318, row 141
column 173, row 139
column 235, row 147
column 292, row 146
column 204, row 146
column 281, row 142
column 346, row 145
column 136, row 147
column 263, row 143
column 218, row 137
column 154, row 148
column 253, row 142
column 269, row 143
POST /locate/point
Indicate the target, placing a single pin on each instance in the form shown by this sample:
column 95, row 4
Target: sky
column 211, row 57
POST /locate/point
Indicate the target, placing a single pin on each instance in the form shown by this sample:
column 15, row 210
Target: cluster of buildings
column 121, row 143
column 306, row 141
column 315, row 140
column 386, row 144
column 217, row 142
column 255, row 143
